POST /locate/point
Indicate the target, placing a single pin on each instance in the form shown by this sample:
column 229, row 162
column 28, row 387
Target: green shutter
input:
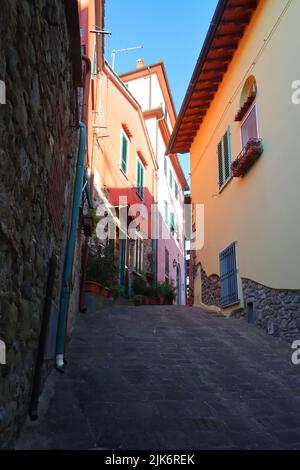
column 227, row 156
column 94, row 69
column 220, row 163
column 140, row 179
column 165, row 167
column 172, row 221
column 171, row 179
column 142, row 176
column 166, row 212
column 176, row 190
column 124, row 154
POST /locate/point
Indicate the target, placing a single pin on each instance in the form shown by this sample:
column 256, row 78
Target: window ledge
column 225, row 184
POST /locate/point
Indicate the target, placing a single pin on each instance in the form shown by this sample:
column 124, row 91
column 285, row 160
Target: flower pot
column 94, row 287
column 105, row 292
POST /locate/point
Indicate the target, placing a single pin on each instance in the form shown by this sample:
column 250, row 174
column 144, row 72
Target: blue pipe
column 64, row 297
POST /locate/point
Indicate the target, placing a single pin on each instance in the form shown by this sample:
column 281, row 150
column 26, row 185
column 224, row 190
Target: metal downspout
column 85, row 101
column 64, row 298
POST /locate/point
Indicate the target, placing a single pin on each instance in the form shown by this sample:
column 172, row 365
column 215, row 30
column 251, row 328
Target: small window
column 176, row 190
column 224, row 159
column 171, row 179
column 172, row 222
column 249, row 127
column 166, row 212
column 140, row 176
column 228, row 276
column 165, row 167
column 124, row 152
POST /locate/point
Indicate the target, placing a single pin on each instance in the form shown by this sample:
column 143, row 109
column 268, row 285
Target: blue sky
column 168, row 30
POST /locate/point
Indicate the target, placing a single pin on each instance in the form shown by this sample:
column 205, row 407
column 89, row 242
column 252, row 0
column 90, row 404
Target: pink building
column 149, row 86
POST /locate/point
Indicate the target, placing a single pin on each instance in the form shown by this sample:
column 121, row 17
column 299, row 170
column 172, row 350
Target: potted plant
column 166, row 292
column 101, row 269
column 117, row 291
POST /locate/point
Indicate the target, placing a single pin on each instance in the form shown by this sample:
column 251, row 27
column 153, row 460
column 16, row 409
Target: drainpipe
column 64, row 298
column 37, row 378
column 86, row 91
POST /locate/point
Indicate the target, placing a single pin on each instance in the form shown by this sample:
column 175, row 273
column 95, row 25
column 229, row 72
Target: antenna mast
column 126, row 49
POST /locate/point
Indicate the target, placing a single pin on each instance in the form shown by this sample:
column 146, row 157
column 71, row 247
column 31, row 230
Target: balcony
column 250, row 153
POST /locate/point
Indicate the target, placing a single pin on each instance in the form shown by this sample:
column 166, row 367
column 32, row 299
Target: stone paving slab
column 155, row 377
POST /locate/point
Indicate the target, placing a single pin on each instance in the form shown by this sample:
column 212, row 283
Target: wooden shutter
column 228, row 276
column 176, row 190
column 172, row 221
column 124, row 153
column 224, row 158
column 227, row 156
column 140, row 178
column 220, row 163
column 166, row 212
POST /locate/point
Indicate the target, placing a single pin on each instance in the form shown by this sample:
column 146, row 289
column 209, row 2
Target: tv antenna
column 126, row 49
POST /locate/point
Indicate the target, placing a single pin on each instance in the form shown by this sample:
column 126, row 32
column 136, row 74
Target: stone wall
column 276, row 311
column 210, row 288
column 38, row 152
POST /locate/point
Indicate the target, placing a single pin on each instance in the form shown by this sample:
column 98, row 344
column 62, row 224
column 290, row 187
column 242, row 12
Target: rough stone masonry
column 38, row 151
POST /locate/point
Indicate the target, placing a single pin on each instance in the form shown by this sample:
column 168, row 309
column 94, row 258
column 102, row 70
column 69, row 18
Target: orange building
column 124, row 174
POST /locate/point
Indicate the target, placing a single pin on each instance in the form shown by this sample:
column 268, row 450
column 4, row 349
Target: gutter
column 200, row 62
column 64, row 298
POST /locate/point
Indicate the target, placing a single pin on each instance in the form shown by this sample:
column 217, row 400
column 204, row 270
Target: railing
column 250, row 153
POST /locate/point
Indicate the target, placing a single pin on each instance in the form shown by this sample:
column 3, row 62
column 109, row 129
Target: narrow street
column 157, row 377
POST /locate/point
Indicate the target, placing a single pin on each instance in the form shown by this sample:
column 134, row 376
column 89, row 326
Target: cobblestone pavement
column 157, row 377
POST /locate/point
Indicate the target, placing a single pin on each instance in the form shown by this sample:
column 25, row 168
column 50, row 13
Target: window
column 172, row 222
column 228, row 276
column 167, row 264
column 140, row 176
column 224, row 159
column 165, row 167
column 171, row 179
column 138, row 255
column 166, row 212
column 249, row 127
column 124, row 152
column 176, row 190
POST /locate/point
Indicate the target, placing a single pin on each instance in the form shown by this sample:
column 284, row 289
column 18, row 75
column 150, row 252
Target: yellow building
column 240, row 122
